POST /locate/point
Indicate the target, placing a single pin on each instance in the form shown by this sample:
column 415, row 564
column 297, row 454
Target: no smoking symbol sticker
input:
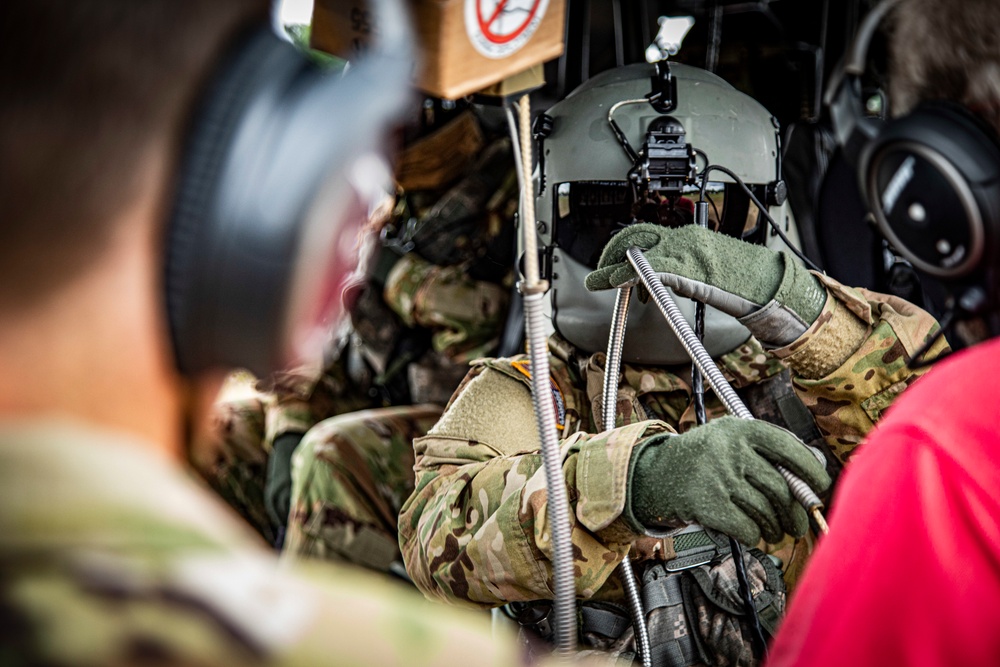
column 498, row 28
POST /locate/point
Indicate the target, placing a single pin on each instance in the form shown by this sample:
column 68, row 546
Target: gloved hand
column 278, row 483
column 722, row 476
column 770, row 294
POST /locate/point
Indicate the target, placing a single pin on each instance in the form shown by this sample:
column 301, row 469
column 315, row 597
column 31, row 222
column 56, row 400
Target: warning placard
column 498, row 28
column 465, row 45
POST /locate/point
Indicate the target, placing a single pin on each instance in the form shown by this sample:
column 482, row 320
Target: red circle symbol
column 486, row 25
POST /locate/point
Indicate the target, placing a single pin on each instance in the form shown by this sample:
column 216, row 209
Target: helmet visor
column 588, row 213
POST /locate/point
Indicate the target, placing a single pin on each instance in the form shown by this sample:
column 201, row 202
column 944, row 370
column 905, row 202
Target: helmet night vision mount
column 667, row 162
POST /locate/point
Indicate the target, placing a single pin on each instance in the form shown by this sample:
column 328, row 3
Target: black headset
column 931, row 178
column 277, row 148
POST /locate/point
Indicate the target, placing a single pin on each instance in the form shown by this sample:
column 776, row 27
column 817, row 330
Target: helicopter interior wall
column 773, row 51
column 780, row 52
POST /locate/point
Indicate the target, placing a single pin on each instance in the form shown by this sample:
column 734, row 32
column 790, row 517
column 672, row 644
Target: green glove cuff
column 645, row 525
column 643, row 496
column 797, row 302
column 800, row 292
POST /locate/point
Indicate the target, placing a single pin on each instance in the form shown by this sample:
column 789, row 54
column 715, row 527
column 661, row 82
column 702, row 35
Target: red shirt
column 910, row 572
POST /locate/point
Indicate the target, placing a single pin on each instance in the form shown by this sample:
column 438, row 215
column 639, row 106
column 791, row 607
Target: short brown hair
column 946, row 51
column 86, row 87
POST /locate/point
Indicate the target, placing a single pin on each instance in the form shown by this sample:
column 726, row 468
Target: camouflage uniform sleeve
column 300, row 398
column 464, row 314
column 111, row 555
column 288, row 409
column 850, row 365
column 475, row 531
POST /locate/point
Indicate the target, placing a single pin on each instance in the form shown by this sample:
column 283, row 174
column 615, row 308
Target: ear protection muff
column 282, row 163
column 930, row 178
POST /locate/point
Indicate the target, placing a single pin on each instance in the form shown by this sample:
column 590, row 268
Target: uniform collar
column 66, row 483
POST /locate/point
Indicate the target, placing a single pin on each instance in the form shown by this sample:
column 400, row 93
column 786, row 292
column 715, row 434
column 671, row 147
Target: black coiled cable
column 757, row 639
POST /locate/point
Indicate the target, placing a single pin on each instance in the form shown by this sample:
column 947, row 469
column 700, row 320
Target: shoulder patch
column 523, row 366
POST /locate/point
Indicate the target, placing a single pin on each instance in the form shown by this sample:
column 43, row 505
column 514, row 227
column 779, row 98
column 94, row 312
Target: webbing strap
column 676, row 653
column 671, row 643
column 603, row 621
column 774, row 400
column 661, row 592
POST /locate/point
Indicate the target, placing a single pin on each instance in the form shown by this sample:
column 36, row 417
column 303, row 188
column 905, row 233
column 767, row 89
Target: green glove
column 278, row 484
column 722, row 476
column 770, row 294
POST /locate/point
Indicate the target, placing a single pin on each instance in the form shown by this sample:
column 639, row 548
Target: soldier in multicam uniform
column 824, row 361
column 437, row 299
column 110, row 554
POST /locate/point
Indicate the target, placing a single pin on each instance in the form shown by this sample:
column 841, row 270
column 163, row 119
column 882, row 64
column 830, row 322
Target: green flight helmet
column 589, row 185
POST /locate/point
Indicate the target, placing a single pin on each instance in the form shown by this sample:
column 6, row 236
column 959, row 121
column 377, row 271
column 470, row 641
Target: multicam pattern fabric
column 351, row 475
column 411, row 341
column 475, row 530
column 465, row 315
column 110, row 555
column 234, row 462
column 849, row 400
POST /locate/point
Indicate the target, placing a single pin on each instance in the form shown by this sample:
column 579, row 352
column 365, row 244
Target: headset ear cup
column 203, row 241
column 258, row 218
column 932, row 180
column 852, row 128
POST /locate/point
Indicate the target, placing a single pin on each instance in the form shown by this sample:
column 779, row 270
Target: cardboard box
column 466, row 45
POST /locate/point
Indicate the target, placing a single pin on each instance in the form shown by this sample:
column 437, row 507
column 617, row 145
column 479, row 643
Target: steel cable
column 612, row 364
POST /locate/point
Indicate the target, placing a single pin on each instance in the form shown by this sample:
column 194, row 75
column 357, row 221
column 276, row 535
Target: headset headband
column 843, row 94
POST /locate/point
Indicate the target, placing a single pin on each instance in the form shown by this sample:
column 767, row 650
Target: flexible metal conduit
column 613, row 358
column 701, row 358
column 533, row 290
column 612, row 364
